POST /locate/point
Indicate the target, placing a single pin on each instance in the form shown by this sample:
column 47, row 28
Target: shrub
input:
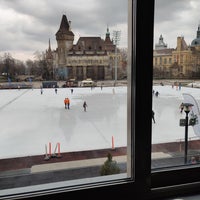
column 109, row 167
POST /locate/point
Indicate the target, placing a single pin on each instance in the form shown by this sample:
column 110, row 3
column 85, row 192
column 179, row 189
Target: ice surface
column 30, row 121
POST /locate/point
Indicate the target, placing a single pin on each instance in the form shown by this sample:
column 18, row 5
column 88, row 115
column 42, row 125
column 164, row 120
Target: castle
column 90, row 57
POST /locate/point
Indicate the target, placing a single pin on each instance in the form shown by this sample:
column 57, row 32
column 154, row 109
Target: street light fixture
column 187, row 108
column 116, row 39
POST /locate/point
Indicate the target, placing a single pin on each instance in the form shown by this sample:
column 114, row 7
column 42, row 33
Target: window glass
column 65, row 93
column 175, row 92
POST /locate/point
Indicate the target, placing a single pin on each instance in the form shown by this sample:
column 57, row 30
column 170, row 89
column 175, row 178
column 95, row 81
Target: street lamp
column 116, row 39
column 187, row 108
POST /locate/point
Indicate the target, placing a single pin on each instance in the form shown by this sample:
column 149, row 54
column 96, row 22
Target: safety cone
column 58, row 155
column 46, row 155
column 50, row 149
column 113, row 146
column 54, row 153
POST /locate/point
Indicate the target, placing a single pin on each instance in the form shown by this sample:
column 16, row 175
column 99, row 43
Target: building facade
column 181, row 62
column 90, row 57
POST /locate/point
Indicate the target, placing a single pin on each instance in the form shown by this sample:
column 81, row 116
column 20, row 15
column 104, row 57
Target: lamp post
column 187, row 108
column 116, row 38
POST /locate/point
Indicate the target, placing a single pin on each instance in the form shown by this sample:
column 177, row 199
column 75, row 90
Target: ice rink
column 168, row 115
column 31, row 120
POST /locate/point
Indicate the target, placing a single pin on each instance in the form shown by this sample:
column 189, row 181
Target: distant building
column 90, row 57
column 160, row 44
column 181, row 62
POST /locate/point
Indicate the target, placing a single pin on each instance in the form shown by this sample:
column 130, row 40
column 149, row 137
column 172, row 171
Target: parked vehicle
column 71, row 83
column 88, row 83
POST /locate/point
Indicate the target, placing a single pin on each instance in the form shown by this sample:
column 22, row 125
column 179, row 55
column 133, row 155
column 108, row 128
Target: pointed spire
column 49, row 45
column 107, row 29
column 108, row 43
column 107, row 39
column 49, row 54
column 64, row 28
column 198, row 31
column 64, row 25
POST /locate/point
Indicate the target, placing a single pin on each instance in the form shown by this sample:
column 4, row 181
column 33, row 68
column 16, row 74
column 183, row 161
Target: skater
column 101, row 86
column 67, row 103
column 181, row 107
column 153, row 116
column 72, row 91
column 41, row 91
column 84, row 105
column 56, row 90
column 179, row 86
column 157, row 93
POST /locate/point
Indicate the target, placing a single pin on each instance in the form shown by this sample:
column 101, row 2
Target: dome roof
column 195, row 42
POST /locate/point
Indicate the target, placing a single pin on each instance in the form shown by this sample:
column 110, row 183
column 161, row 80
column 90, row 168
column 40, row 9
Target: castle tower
column 160, row 44
column 65, row 38
column 108, row 44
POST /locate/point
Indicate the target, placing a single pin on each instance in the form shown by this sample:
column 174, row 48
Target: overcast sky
column 27, row 25
column 175, row 18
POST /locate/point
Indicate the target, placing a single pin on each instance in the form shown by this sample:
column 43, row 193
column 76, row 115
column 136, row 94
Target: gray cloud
column 28, row 24
column 175, row 18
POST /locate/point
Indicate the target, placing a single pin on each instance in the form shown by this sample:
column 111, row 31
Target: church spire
column 65, row 29
column 107, row 39
column 49, row 45
column 198, row 31
column 108, row 44
column 49, row 54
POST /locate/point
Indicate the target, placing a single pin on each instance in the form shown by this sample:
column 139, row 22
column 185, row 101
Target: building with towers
column 90, row 57
column 180, row 62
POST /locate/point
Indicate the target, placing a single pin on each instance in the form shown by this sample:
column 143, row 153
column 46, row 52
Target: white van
column 87, row 83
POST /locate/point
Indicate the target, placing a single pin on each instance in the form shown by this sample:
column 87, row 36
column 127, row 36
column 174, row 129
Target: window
column 32, row 180
column 143, row 182
column 174, row 165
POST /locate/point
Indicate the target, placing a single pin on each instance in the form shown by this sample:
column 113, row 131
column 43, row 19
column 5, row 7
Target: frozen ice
column 30, row 121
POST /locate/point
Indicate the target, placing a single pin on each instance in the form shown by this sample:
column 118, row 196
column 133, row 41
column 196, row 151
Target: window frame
column 139, row 159
column 145, row 184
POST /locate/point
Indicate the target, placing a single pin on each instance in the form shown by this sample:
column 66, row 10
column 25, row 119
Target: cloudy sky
column 175, row 18
column 27, row 25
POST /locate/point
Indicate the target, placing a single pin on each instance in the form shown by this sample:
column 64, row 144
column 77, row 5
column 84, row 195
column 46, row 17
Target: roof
column 64, row 27
column 90, row 43
column 163, row 51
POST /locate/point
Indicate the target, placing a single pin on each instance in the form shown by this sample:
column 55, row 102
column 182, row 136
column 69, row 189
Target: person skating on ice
column 153, row 117
column 84, row 105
